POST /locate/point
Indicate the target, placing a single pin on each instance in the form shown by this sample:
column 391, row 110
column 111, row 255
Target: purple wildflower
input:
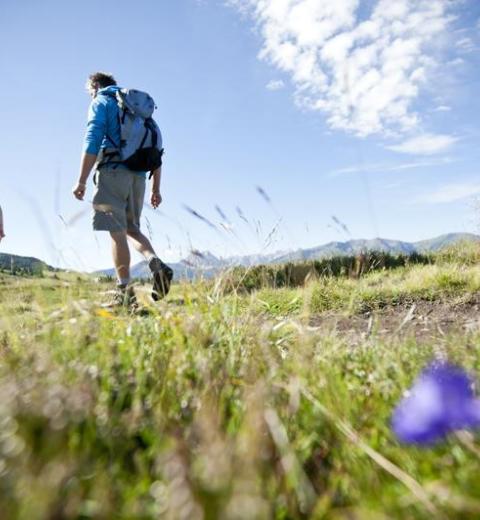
column 440, row 401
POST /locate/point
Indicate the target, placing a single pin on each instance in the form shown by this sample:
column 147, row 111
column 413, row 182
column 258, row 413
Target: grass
column 372, row 291
column 375, row 290
column 224, row 406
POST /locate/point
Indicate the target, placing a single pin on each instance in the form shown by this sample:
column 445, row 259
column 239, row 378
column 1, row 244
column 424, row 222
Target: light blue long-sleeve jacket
column 103, row 125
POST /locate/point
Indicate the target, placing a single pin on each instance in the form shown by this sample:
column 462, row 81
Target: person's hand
column 2, row 234
column 79, row 190
column 155, row 199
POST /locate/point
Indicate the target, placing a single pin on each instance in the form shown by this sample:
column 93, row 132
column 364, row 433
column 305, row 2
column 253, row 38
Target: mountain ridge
column 206, row 264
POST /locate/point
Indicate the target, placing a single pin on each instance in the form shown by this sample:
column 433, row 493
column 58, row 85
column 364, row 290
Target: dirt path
column 423, row 319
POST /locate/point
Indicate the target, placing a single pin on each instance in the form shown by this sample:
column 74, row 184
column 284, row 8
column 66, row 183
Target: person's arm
column 87, row 163
column 96, row 129
column 155, row 197
column 2, row 233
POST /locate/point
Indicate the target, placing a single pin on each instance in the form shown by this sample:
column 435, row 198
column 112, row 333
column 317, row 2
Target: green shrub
column 296, row 274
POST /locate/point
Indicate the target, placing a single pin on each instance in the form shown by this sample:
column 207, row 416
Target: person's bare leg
column 162, row 274
column 141, row 243
column 121, row 255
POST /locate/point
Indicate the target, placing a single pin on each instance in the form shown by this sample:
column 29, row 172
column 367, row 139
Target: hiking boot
column 124, row 296
column 162, row 276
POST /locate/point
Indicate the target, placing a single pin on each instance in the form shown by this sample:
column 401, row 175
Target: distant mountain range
column 205, row 264
column 353, row 247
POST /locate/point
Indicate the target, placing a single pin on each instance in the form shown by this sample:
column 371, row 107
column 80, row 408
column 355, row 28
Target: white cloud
column 451, row 193
column 275, row 84
column 443, row 108
column 465, row 45
column 457, row 62
column 426, row 144
column 364, row 74
column 385, row 167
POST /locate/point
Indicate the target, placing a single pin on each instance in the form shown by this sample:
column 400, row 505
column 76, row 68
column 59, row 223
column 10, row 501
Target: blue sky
column 366, row 111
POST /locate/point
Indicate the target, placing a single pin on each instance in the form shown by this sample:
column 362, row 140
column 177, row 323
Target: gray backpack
column 141, row 140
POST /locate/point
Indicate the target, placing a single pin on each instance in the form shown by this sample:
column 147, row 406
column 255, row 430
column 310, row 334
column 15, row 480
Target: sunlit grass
column 431, row 282
column 212, row 405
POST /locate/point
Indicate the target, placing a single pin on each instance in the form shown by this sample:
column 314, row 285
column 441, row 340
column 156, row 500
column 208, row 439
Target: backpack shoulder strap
column 113, row 96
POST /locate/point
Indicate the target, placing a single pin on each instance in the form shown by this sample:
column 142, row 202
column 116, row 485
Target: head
column 99, row 80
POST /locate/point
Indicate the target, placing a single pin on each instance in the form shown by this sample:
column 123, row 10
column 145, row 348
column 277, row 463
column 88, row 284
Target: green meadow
column 234, row 400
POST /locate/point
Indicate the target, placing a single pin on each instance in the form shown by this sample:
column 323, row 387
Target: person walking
column 123, row 143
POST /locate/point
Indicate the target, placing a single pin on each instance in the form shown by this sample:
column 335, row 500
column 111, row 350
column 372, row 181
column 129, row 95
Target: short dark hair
column 102, row 79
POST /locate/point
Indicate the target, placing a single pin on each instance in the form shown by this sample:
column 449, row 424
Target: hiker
column 2, row 232
column 123, row 143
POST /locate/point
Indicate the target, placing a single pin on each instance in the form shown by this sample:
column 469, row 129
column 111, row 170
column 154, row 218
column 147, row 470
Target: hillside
column 22, row 263
column 270, row 404
column 206, row 265
column 203, row 264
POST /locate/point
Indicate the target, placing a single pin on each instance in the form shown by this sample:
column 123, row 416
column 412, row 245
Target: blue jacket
column 103, row 123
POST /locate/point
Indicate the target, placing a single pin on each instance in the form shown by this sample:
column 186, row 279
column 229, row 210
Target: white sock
column 123, row 282
column 150, row 256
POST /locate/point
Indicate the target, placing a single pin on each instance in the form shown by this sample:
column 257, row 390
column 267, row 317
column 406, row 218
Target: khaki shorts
column 118, row 200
